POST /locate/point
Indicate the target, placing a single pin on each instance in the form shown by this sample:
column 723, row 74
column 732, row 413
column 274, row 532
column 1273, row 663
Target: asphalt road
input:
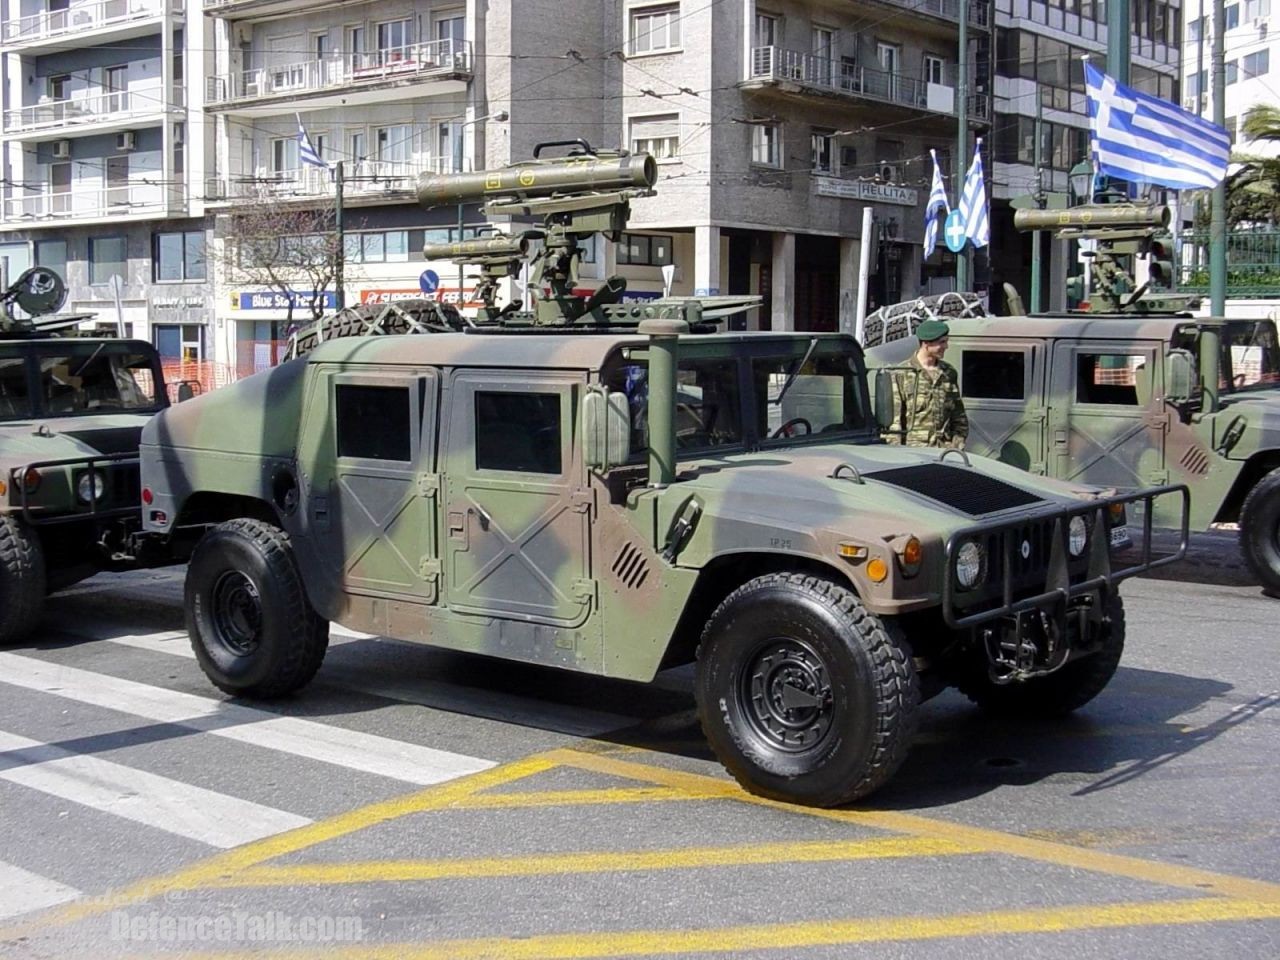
column 417, row 803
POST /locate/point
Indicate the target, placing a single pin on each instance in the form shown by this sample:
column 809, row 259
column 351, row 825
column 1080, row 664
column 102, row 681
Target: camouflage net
column 370, row 319
column 901, row 319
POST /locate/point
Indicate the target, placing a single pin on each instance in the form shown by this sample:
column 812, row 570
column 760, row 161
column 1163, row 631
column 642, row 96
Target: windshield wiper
column 795, row 372
column 92, row 357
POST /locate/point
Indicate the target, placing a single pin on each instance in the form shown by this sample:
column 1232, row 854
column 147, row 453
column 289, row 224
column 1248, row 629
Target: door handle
column 483, row 517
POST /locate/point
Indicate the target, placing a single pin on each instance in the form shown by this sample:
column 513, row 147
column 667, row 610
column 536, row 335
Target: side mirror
column 606, row 429
column 884, row 399
column 1179, row 376
column 184, row 391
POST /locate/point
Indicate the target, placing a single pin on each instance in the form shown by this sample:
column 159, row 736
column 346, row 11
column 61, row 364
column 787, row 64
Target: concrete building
column 103, row 148
column 1039, row 46
column 1251, row 44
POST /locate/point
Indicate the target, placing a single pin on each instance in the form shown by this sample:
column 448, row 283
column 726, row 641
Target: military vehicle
column 1128, row 392
column 71, row 411
column 619, row 488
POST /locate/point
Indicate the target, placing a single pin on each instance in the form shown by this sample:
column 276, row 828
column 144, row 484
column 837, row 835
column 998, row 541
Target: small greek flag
column 1137, row 137
column 307, row 153
column 973, row 202
column 937, row 202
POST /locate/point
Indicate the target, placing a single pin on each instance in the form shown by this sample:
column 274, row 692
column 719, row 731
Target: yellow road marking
column 568, row 798
column 806, row 934
column 392, row 871
column 994, row 841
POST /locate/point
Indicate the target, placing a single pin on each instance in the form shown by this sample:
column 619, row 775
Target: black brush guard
column 1094, row 571
column 113, row 466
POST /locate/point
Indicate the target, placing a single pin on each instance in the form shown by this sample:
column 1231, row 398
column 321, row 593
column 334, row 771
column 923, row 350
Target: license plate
column 1120, row 537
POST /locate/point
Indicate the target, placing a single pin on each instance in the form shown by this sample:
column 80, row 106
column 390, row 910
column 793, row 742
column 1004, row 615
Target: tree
column 1253, row 191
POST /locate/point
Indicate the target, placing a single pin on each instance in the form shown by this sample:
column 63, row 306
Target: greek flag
column 1144, row 139
column 307, row 152
column 973, row 202
column 937, row 202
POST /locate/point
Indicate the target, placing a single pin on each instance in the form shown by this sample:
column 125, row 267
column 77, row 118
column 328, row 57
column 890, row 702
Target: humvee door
column 1002, row 385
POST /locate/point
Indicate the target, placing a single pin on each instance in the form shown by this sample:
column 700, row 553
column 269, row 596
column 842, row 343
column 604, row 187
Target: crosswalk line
column 22, row 891
column 179, row 808
column 574, row 721
column 365, row 752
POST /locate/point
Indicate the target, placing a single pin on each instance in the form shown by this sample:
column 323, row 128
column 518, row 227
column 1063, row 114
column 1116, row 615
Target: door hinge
column 583, row 501
column 1158, row 477
column 428, row 484
column 583, row 590
column 429, row 569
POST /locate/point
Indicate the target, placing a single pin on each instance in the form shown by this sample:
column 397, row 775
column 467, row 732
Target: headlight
column 969, row 564
column 1077, row 536
column 91, row 486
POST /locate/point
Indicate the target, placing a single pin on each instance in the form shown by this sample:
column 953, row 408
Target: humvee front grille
column 962, row 489
column 631, row 567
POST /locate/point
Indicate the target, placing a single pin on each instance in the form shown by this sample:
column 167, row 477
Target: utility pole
column 1218, row 203
column 1036, row 235
column 962, row 135
column 340, row 255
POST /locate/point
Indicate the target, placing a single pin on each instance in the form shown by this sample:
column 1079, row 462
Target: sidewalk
column 1212, row 557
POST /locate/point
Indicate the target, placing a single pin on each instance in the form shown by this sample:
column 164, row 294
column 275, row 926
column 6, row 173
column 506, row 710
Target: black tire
column 252, row 628
column 1062, row 691
column 23, row 583
column 818, row 644
column 1260, row 531
column 354, row 321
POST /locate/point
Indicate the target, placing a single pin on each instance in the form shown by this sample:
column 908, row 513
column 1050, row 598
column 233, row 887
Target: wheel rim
column 237, row 613
column 786, row 695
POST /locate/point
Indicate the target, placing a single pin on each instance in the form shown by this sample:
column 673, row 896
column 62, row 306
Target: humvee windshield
column 759, row 397
column 59, row 378
column 1250, row 354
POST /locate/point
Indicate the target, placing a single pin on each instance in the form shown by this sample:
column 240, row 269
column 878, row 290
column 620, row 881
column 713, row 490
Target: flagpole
column 962, row 132
column 1036, row 235
column 1217, row 227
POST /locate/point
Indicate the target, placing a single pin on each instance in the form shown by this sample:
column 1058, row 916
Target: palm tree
column 1253, row 191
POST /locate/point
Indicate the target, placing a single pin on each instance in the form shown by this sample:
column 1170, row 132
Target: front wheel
column 252, row 628
column 803, row 695
column 22, row 579
column 1260, row 531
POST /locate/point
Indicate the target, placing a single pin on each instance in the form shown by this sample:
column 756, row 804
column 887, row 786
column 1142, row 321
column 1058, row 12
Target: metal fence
column 1253, row 263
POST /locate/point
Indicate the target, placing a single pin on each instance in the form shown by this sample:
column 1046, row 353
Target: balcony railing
column 361, row 179
column 1253, row 263
column 94, row 204
column 54, row 24
column 979, row 12
column 846, row 79
column 413, row 62
column 96, row 108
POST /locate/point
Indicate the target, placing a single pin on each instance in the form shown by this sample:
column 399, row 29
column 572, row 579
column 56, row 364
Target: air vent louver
column 631, row 567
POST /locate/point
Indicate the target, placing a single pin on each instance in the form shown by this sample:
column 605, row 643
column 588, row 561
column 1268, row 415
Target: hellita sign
column 862, row 190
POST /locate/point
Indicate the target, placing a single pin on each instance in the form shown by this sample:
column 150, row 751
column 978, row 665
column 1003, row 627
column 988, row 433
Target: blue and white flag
column 937, row 202
column 1135, row 136
column 307, row 153
column 973, row 202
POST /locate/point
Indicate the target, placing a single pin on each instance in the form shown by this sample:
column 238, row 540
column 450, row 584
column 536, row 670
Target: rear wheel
column 1062, row 691
column 23, row 584
column 1260, row 531
column 803, row 695
column 252, row 628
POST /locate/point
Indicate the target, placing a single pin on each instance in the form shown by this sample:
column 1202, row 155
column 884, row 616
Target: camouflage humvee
column 625, row 491
column 71, row 411
column 1118, row 401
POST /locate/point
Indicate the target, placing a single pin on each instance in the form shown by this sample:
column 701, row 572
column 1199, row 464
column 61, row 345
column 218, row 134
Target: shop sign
column 177, row 303
column 275, row 300
column 863, row 190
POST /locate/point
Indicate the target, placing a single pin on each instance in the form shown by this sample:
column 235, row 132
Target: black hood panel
column 110, row 440
column 962, row 489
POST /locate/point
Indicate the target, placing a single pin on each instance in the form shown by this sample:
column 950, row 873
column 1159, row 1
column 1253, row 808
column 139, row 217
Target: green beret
column 932, row 330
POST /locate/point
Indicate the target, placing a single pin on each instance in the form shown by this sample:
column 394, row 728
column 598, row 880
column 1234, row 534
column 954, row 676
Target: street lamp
column 1081, row 180
column 500, row 116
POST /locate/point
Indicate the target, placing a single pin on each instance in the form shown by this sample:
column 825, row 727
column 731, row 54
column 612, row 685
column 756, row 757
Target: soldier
column 926, row 396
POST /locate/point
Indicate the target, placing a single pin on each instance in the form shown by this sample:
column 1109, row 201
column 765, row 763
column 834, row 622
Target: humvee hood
column 62, row 438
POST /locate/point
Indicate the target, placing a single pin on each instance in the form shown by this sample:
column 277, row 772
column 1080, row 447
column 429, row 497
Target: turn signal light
column 912, row 553
column 31, row 480
column 852, row 551
column 4, row 488
column 877, row 570
column 147, row 496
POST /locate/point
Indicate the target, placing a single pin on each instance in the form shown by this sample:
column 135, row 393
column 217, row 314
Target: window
column 284, row 157
column 1232, row 71
column 357, row 150
column 824, row 397
column 52, row 254
column 15, row 258
column 934, row 69
column 356, row 42
column 708, row 404
column 115, row 82
column 1107, row 378
column 107, row 257
column 993, row 374
column 448, row 133
column 640, row 250
column 320, row 46
column 1232, row 16
column 89, row 378
column 766, row 30
column 658, row 135
column 1256, row 8
column 179, row 256
column 1255, row 64
column 821, row 143
column 15, row 394
column 179, row 341
column 1195, row 30
column 824, row 42
column 393, row 40
column 766, row 144
column 373, row 422
column 60, row 87
column 518, row 431
column 452, row 27
column 394, row 144
column 654, row 29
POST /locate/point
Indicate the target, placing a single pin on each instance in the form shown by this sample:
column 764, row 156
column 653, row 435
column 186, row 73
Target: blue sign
column 953, row 231
column 429, row 281
column 275, row 300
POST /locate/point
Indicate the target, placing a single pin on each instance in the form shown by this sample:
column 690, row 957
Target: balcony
column 364, row 183
column 87, row 24
column 255, row 9
column 103, row 204
column 793, row 71
column 97, row 113
column 348, row 80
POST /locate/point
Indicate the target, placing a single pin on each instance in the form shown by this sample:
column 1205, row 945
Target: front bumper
column 1054, row 578
column 56, row 501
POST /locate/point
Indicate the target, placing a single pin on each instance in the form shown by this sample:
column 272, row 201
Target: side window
column 1107, row 378
column 518, row 431
column 374, row 422
column 993, row 374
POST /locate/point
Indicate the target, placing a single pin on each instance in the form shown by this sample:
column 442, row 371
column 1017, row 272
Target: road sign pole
column 962, row 133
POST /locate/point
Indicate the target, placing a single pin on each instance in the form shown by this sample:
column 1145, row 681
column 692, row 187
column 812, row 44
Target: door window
column 518, row 431
column 993, row 374
column 1107, row 378
column 373, row 422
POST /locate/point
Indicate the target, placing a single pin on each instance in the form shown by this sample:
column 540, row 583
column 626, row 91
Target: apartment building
column 1039, row 50
column 1251, row 44
column 102, row 152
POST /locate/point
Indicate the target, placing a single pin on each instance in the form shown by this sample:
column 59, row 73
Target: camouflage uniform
column 927, row 407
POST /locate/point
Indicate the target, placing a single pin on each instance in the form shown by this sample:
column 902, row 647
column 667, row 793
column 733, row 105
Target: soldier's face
column 936, row 348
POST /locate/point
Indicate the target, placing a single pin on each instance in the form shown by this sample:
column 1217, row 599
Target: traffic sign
column 429, row 282
column 953, row 231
